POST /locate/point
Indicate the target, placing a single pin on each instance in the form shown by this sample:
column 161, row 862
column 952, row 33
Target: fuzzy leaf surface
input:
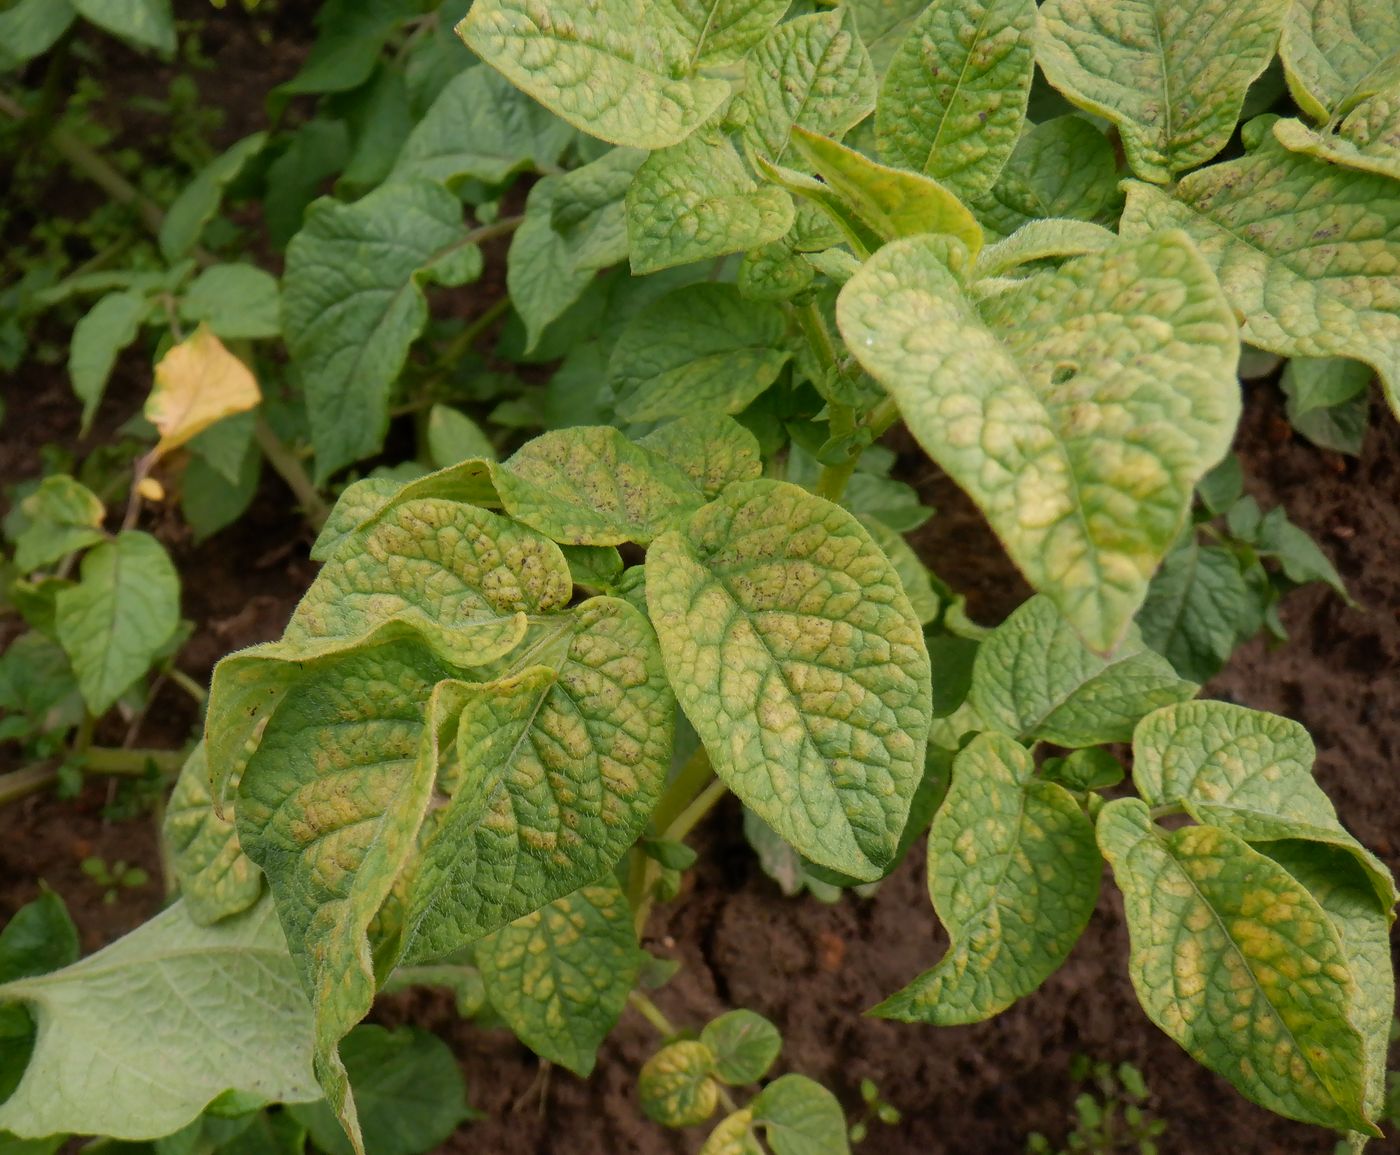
column 1308, row 252
column 192, row 1012
column 1235, row 961
column 1034, row 678
column 1368, row 139
column 1014, row 875
column 1336, row 52
column 954, row 98
column 603, row 66
column 1077, row 408
column 352, row 304
column 560, row 976
column 709, row 449
column 799, row 661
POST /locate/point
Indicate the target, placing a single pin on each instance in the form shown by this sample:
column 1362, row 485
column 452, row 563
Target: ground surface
column 811, row 968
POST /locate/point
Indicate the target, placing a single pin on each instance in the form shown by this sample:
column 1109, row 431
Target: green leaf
column 481, row 127
column 1246, row 771
column 455, row 437
column 1034, row 678
column 954, row 99
column 603, row 66
column 216, row 878
column 40, row 937
column 62, row 515
column 774, row 272
column 318, row 151
column 353, row 303
column 799, row 661
column 694, row 201
column 1234, row 960
column 1368, row 139
column 675, row 1087
column 800, row 1117
column 557, row 770
column 237, row 301
column 1014, row 875
column 574, row 225
column 723, row 31
column 744, row 1045
column 195, row 207
column 1039, row 240
column 117, row 619
column 913, row 574
column 145, row 23
column 892, row 202
column 351, row 34
column 711, row 450
column 811, row 72
column 331, row 856
column 702, row 349
column 560, row 976
column 1198, row 608
column 1305, row 250
column 1327, row 402
column 732, row 1136
column 1091, row 769
column 1342, row 890
column 1151, row 68
column 408, row 1088
column 1062, row 168
column 30, row 28
column 1337, row 52
column 1300, row 558
column 1077, row 408
column 99, row 336
column 211, row 501
column 589, row 485
column 883, row 26
column 137, row 1039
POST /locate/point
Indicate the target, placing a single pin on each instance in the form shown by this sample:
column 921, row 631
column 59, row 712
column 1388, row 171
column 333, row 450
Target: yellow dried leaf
column 150, row 489
column 198, row 382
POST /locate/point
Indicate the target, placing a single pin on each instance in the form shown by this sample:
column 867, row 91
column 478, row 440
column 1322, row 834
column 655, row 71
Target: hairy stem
column 289, row 468
column 189, row 685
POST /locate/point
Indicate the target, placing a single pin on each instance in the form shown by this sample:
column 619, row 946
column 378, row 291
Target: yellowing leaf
column 198, row 383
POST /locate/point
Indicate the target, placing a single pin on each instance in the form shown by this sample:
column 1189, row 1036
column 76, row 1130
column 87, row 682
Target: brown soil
column 813, row 969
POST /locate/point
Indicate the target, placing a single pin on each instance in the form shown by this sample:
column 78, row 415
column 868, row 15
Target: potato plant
column 1046, row 238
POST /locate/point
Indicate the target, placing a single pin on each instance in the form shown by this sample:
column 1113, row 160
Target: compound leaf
column 1154, row 68
column 1014, row 875
column 1336, row 52
column 560, row 976
column 137, row 1039
column 799, row 661
column 600, row 64
column 589, row 485
column 711, row 450
column 1305, row 250
column 116, row 619
column 1081, row 442
column 1034, row 678
column 1246, row 771
column 558, row 769
column 352, row 304
column 1234, row 960
column 954, row 98
column 216, row 878
column 695, row 201
column 702, row 349
column 812, row 72
column 481, row 127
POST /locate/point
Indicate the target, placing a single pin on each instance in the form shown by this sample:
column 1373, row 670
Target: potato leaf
column 198, row 383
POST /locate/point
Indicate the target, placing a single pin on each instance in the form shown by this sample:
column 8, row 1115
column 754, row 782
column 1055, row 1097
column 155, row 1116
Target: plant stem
column 689, row 818
column 20, row 783
column 832, row 482
column 462, row 343
column 682, row 789
column 289, row 468
column 188, row 684
column 95, row 760
column 1166, row 810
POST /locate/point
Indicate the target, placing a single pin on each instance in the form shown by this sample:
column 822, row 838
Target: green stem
column 682, row 789
column 462, row 343
column 289, row 468
column 95, row 760
column 832, row 482
column 188, row 684
column 19, row 783
column 689, row 818
column 1166, row 810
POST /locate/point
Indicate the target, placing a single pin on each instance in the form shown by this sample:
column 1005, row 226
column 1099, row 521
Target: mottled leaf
column 1234, row 960
column 799, row 661
column 733, row 1135
column 695, row 201
column 954, row 98
column 722, row 31
column 1247, row 771
column 119, row 616
column 892, row 202
column 1171, row 74
column 711, row 450
column 1033, row 677
column 883, row 25
column 600, row 64
column 353, row 303
column 560, row 766
column 1041, row 239
column 1014, row 875
column 216, row 878
column 702, row 349
column 560, row 976
column 137, row 1039
column 1306, row 251
column 1077, row 408
column 198, row 383
column 675, row 1087
column 1337, row 52
column 1368, row 139
column 812, row 72
column 589, row 485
